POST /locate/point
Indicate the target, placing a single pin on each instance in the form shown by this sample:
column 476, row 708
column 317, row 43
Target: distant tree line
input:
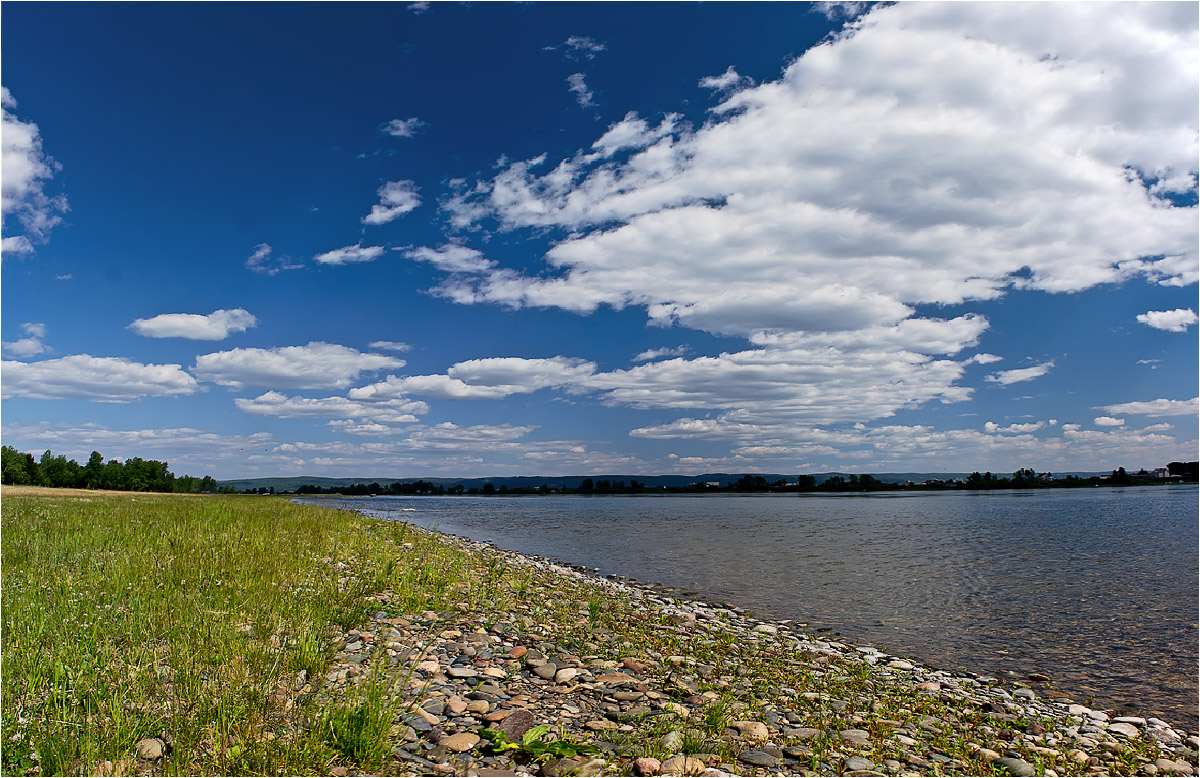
column 1026, row 478
column 133, row 475
column 405, row 488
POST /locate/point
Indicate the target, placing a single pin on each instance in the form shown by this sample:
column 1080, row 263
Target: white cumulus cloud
column 396, row 198
column 100, row 379
column 402, row 128
column 264, row 260
column 578, row 86
column 397, row 411
column 389, row 345
column 578, row 47
column 452, row 258
column 992, row 427
column 1006, row 377
column 1107, row 421
column 633, row 132
column 449, row 436
column 217, row 325
column 31, row 344
column 350, row 254
column 484, row 379
column 317, row 365
column 27, row 168
column 1160, row 407
column 17, row 244
column 1177, row 320
column 727, row 81
column 659, row 353
column 441, row 387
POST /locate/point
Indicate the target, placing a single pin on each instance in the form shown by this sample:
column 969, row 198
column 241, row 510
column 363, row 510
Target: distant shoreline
column 426, row 489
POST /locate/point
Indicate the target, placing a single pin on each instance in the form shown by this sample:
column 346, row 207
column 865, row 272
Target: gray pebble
column 1016, row 766
column 757, row 758
column 859, row 763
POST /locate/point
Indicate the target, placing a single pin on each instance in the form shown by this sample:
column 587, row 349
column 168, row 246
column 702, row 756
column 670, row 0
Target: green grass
column 190, row 617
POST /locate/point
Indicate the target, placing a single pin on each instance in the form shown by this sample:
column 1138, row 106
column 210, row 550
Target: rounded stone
column 755, row 730
column 757, row 758
column 463, row 741
column 682, row 765
column 856, row 737
column 150, row 748
column 1017, row 767
column 1173, row 767
column 516, row 724
column 1123, row 728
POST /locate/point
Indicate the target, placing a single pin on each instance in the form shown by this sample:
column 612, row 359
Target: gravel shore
column 582, row 675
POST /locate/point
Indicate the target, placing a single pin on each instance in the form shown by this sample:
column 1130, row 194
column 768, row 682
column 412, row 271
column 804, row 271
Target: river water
column 1096, row 588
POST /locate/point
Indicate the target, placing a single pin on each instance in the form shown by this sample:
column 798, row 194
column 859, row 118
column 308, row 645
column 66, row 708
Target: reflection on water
column 1096, row 588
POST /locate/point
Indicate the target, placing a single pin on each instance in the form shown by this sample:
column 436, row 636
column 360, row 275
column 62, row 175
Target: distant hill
column 292, row 483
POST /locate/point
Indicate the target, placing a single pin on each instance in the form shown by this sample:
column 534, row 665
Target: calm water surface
column 1096, row 588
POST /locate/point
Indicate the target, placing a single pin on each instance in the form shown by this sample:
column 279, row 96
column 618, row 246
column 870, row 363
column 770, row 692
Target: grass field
column 188, row 618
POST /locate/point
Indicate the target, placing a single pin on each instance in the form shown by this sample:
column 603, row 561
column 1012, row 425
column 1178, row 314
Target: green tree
column 19, row 468
column 58, row 471
column 93, row 471
column 114, row 476
column 834, row 483
column 1025, row 476
column 751, row 483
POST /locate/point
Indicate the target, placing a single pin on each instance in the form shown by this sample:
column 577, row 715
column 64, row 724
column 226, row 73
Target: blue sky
column 391, row 239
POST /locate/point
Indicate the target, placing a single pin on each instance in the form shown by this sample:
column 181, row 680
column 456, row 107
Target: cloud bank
column 100, row 379
column 317, row 365
column 929, row 155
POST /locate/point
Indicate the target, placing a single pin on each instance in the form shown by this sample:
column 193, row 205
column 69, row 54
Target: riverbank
column 342, row 645
column 663, row 685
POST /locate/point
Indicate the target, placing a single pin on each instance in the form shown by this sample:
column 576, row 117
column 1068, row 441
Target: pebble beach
column 585, row 675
